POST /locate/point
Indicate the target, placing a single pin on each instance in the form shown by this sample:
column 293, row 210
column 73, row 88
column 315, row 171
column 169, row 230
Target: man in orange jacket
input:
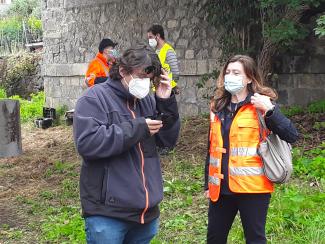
column 98, row 68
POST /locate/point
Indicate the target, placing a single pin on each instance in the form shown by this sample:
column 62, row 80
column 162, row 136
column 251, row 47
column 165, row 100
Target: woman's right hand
column 206, row 194
column 154, row 125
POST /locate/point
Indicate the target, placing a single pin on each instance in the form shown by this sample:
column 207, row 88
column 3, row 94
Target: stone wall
column 301, row 77
column 73, row 30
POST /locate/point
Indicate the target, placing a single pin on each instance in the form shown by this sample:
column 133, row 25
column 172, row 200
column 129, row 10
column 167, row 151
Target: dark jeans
column 253, row 210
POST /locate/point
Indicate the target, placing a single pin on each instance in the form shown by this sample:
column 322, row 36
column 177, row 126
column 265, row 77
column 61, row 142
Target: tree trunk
column 264, row 59
column 270, row 48
column 10, row 132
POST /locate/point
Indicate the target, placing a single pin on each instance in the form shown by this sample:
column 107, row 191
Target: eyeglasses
column 149, row 69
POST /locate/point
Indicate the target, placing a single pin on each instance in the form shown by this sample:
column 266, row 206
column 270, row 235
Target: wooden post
column 10, row 132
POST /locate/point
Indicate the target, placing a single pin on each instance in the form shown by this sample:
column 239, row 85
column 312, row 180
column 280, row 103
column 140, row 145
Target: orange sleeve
column 94, row 70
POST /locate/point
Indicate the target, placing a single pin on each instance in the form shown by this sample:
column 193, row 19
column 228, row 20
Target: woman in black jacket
column 117, row 126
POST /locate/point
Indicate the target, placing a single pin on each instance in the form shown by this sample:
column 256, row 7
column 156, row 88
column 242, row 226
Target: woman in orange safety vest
column 234, row 178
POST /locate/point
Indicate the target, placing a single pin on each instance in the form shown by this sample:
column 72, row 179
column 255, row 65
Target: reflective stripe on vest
column 245, row 166
column 162, row 57
column 246, row 171
column 243, row 151
column 214, row 180
column 214, row 161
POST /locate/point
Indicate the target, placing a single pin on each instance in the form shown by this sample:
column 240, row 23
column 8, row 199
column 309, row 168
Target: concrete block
column 188, row 67
column 189, row 54
column 182, row 43
column 202, row 67
column 172, row 24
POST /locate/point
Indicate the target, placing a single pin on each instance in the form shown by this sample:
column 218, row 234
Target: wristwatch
column 269, row 112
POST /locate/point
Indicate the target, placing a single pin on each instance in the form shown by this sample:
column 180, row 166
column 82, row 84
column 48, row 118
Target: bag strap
column 262, row 125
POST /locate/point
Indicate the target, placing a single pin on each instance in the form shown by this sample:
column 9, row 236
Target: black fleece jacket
column 121, row 174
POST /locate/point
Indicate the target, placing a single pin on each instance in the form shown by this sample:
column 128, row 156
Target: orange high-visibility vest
column 245, row 169
column 98, row 67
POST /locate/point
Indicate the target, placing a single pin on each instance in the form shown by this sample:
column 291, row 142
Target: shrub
column 20, row 75
column 25, row 8
column 316, row 107
column 30, row 110
column 291, row 111
column 34, row 23
column 3, row 93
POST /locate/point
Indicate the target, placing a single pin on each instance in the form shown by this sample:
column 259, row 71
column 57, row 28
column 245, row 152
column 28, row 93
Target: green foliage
column 320, row 29
column 25, row 8
column 319, row 125
column 3, row 93
column 19, row 68
column 285, row 32
column 30, row 110
column 296, row 215
column 34, row 23
column 316, row 107
column 249, row 27
column 66, row 226
column 12, row 33
column 310, row 164
column 10, row 28
column 236, row 21
column 292, row 110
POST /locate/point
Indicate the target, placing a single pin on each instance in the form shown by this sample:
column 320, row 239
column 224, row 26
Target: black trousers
column 253, row 210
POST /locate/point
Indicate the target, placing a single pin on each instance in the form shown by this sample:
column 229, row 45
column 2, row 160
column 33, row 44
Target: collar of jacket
column 120, row 90
column 102, row 58
column 223, row 112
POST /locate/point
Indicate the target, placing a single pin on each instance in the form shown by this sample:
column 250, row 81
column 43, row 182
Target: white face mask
column 139, row 87
column 234, row 84
column 153, row 42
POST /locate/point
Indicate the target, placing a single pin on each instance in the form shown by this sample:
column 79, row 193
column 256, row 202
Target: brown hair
column 133, row 58
column 222, row 97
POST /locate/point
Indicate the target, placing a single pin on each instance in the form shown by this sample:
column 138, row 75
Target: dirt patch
column 310, row 134
column 9, row 216
column 194, row 136
column 25, row 176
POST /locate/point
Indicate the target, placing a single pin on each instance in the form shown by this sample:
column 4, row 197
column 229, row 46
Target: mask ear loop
column 124, row 81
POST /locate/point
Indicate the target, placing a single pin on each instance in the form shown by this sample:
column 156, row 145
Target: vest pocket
column 248, row 131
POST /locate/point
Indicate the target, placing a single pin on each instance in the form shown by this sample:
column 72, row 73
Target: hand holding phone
column 154, row 125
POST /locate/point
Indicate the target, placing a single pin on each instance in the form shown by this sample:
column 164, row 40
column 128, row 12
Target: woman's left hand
column 261, row 102
column 164, row 88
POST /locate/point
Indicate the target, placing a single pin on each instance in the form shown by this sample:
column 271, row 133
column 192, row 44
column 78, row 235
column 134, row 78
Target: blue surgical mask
column 114, row 53
column 234, row 84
